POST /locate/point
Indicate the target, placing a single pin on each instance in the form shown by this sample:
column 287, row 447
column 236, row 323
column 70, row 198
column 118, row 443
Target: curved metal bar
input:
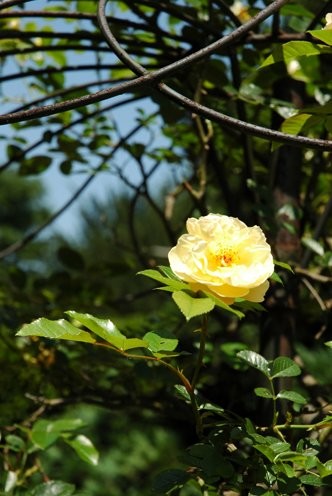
column 186, row 102
column 155, row 76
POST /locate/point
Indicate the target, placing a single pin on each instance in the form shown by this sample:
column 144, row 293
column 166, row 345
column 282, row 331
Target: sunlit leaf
column 255, row 360
column 263, row 393
column 52, row 488
column 283, row 265
column 313, row 245
column 84, row 448
column 156, row 343
column 292, row 396
column 311, row 480
column 295, row 123
column 284, row 367
column 324, row 35
column 293, row 50
column 276, row 278
column 192, row 307
column 55, row 329
column 176, row 284
column 46, row 432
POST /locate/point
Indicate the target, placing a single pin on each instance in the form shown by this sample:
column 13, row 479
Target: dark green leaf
column 34, row 165
column 210, row 460
column 70, row 258
column 170, row 479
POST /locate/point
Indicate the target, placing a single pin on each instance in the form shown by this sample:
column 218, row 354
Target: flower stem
column 177, row 372
column 201, row 352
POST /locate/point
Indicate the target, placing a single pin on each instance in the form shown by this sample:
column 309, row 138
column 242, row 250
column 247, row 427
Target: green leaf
column 293, row 50
column 247, row 306
column 292, row 396
column 46, row 432
column 52, row 488
column 284, row 367
column 325, row 470
column 266, row 451
column 311, row 480
column 260, row 491
column 35, row 165
column 170, row 479
column 328, row 343
column 295, row 10
column 210, row 460
column 105, row 329
column 176, row 284
column 192, row 307
column 283, row 265
column 324, row 35
column 295, row 123
column 14, row 443
column 157, row 343
column 11, row 481
column 255, row 360
column 55, row 329
column 167, row 271
column 84, row 448
column 276, row 278
column 182, row 393
column 224, row 306
column 313, row 245
column 279, row 447
column 263, row 393
column 70, row 258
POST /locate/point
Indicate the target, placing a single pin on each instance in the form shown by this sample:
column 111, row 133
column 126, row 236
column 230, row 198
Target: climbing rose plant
column 219, row 263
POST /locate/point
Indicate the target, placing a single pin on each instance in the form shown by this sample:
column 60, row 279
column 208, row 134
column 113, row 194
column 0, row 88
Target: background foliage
column 243, row 128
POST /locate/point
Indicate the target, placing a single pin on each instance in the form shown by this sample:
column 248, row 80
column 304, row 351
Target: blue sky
column 60, row 187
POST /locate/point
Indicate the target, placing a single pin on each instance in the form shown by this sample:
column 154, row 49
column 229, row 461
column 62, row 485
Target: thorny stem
column 312, row 427
column 274, row 426
column 203, row 334
column 177, row 372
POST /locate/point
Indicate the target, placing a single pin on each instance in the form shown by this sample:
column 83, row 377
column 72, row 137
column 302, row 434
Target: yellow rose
column 223, row 256
column 328, row 20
